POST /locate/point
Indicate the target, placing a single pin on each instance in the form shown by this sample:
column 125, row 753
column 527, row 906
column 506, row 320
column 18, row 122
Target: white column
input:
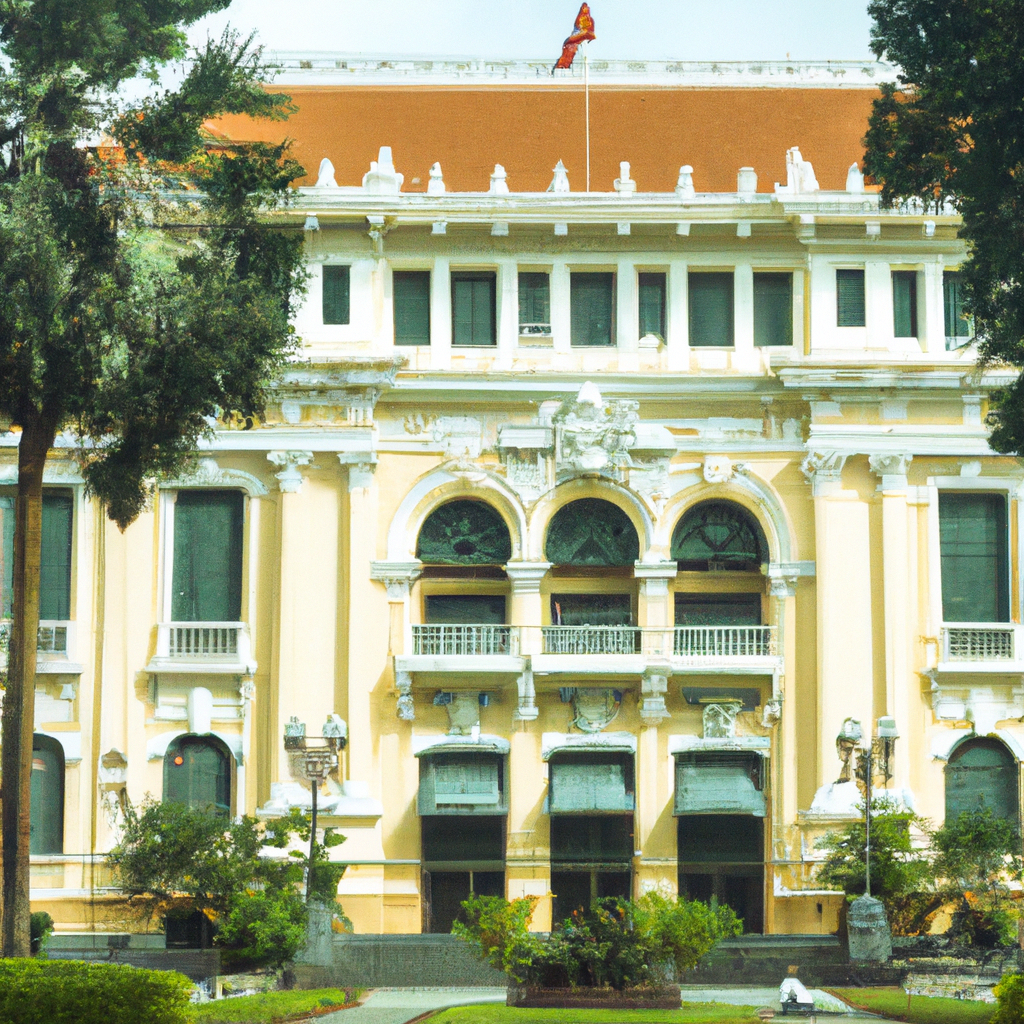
column 627, row 317
column 931, row 313
column 678, row 325
column 561, row 322
column 507, row 313
column 878, row 302
column 441, row 315
column 743, row 304
column 382, row 307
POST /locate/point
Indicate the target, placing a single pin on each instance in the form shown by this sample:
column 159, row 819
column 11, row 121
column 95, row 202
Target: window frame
column 397, row 275
column 489, row 277
column 521, row 275
column 661, row 286
column 953, row 277
column 851, row 274
column 901, row 279
column 771, row 273
column 695, row 274
column 578, row 275
column 347, row 267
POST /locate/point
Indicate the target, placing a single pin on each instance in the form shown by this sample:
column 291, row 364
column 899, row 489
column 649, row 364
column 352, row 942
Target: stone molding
column 289, row 478
column 892, row 469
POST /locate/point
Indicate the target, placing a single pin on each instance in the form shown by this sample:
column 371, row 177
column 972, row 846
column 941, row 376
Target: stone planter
column 662, row 997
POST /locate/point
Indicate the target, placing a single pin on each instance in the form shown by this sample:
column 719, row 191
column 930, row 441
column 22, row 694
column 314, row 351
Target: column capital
column 361, row 467
column 526, row 576
column 655, row 570
column 289, row 479
column 892, row 468
column 824, row 470
column 397, row 577
column 783, row 576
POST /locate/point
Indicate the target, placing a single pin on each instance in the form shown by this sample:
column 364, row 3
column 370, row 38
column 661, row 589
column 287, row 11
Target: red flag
column 582, row 32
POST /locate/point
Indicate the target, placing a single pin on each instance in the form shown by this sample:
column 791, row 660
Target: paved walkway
column 398, row 1005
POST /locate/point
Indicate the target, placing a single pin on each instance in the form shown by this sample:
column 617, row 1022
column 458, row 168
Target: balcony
column 462, row 647
column 216, row 648
column 583, row 640
column 724, row 643
column 55, row 647
column 981, row 647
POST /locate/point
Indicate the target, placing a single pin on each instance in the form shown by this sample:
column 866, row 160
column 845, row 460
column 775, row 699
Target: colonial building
column 596, row 515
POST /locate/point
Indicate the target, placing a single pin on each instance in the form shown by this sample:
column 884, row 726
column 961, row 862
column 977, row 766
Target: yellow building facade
column 595, row 516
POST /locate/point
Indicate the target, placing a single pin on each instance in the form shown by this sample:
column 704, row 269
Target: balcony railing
column 984, row 642
column 465, row 640
column 591, row 639
column 724, row 642
column 203, row 646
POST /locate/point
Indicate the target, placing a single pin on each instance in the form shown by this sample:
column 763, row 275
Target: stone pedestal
column 317, row 952
column 870, row 938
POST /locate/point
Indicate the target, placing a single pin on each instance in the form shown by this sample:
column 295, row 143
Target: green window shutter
column 958, row 326
column 46, row 811
column 55, row 563
column 7, row 553
column 973, row 550
column 719, row 784
column 411, row 289
column 590, row 783
column 904, row 303
column 336, row 294
column 473, row 309
column 711, row 310
column 982, row 774
column 207, row 580
column 591, row 309
column 850, row 309
column 535, row 303
column 464, row 533
column 773, row 310
column 652, row 304
column 462, row 784
column 197, row 773
column 591, row 531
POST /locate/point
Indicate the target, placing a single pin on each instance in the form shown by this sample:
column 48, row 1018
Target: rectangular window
column 904, row 303
column 973, row 549
column 591, row 305
column 718, row 609
column 55, row 564
column 652, row 305
column 412, row 307
column 711, row 310
column 207, row 573
column 473, row 308
column 591, row 610
column 773, row 310
column 475, row 609
column 534, row 303
column 850, row 309
column 335, row 294
column 958, row 326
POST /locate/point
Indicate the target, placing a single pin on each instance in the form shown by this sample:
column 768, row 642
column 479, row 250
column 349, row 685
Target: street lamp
column 315, row 763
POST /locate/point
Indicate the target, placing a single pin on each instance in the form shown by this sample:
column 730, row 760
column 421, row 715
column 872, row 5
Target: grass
column 266, row 1007
column 893, row 1002
column 692, row 1013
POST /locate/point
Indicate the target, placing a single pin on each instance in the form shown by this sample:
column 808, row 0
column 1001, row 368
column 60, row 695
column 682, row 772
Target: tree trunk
column 37, row 438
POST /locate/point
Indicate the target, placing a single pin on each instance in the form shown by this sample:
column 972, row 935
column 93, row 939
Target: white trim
column 612, row 742
column 156, row 748
column 482, row 744
column 71, row 744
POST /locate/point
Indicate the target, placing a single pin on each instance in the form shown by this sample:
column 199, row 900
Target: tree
column 142, row 298
column 952, row 130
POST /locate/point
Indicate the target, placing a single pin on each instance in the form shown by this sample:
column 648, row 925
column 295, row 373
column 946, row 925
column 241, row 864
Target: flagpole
column 586, row 90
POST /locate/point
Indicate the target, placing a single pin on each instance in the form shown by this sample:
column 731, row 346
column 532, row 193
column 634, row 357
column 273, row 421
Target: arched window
column 717, row 536
column 46, row 815
column 594, row 532
column 982, row 773
column 197, row 773
column 464, row 533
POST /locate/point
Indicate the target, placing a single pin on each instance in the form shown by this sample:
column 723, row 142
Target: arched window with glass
column 197, row 774
column 46, row 814
column 982, row 774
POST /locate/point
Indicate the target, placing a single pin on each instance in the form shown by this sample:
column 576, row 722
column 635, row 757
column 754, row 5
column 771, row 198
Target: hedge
column 73, row 992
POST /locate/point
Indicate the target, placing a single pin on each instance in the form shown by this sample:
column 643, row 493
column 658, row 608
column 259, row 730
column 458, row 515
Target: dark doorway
column 591, row 858
column 46, row 812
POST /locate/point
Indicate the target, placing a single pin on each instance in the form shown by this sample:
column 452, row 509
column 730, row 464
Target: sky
column 629, row 29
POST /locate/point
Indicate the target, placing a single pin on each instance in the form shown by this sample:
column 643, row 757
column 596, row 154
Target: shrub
column 40, row 926
column 499, row 930
column 264, row 927
column 682, row 932
column 1010, row 998
column 72, row 992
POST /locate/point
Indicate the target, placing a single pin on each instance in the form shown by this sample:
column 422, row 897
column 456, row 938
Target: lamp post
column 315, row 763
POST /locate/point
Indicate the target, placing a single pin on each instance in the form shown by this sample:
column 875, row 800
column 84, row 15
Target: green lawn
column 892, row 1002
column 265, row 1008
column 692, row 1013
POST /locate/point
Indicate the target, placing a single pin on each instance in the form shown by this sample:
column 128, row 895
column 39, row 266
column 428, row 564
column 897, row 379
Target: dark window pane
column 473, row 309
column 958, row 327
column 711, row 310
column 592, row 839
column 591, row 309
column 652, row 305
column 335, row 301
column 591, row 531
column 982, row 773
column 412, row 307
column 972, row 542
column 55, row 564
column 721, row 839
column 475, row 609
column 850, row 298
column 197, row 773
column 904, row 303
column 773, row 309
column 591, row 610
column 462, row 838
column 718, row 609
column 716, row 536
column 46, row 810
column 464, row 533
column 207, row 582
column 534, row 303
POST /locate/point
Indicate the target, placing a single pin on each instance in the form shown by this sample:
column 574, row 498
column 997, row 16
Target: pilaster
column 527, row 606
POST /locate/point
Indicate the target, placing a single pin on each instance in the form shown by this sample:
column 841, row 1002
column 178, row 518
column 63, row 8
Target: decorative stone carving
column 772, row 714
column 397, row 577
column 435, row 187
column 624, row 184
column 684, row 188
column 983, row 706
column 325, row 176
column 783, row 576
column 823, row 469
column 208, row 474
column 720, row 720
column 361, row 467
column 718, row 469
column 650, row 478
column 560, row 181
column 653, row 687
column 592, row 435
column 527, row 474
column 799, row 174
column 112, row 778
column 526, row 576
column 290, row 462
column 460, row 436
column 406, row 708
column 891, row 468
column 595, row 708
column 499, row 182
column 379, row 226
column 463, row 713
column 854, row 179
column 527, row 710
column 382, row 179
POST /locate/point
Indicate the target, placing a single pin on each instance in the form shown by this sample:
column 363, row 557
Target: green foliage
column 951, row 130
column 896, row 1004
column 73, row 992
column 40, row 928
column 977, row 857
column 900, row 874
column 616, row 943
column 1009, row 995
column 691, row 1013
column 267, row 1007
column 171, row 857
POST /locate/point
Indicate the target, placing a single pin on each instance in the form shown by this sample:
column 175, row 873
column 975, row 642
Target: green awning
column 726, row 783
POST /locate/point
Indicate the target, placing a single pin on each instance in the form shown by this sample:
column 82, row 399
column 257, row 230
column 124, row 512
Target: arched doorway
column 982, row 773
column 46, row 816
column 197, row 773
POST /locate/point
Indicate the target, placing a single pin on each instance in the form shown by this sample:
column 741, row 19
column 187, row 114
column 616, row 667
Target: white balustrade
column 465, row 639
column 716, row 642
column 591, row 639
column 203, row 646
column 971, row 642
